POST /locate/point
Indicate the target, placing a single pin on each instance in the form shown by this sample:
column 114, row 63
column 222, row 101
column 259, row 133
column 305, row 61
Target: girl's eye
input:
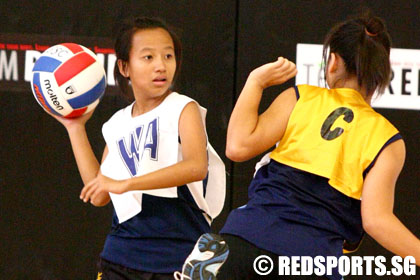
column 168, row 56
column 147, row 57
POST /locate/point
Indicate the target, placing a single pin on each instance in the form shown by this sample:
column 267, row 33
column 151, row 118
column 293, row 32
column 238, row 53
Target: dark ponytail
column 123, row 44
column 364, row 44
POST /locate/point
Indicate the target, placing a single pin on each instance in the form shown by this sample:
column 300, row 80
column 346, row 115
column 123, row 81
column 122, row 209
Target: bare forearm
column 244, row 118
column 179, row 174
column 101, row 199
column 394, row 236
column 86, row 160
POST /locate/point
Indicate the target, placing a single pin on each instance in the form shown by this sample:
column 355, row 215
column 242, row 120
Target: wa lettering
column 139, row 144
column 326, row 131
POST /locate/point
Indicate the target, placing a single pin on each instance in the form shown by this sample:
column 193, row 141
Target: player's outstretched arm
column 378, row 217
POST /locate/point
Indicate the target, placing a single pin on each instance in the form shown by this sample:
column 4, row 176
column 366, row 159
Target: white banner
column 403, row 92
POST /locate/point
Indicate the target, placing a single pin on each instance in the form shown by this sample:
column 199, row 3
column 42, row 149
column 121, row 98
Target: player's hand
column 99, row 185
column 274, row 73
column 70, row 122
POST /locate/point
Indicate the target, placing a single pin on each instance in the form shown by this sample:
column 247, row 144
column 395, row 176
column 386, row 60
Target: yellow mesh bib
column 335, row 134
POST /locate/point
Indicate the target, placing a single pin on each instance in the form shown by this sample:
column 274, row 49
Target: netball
column 68, row 80
column 212, row 140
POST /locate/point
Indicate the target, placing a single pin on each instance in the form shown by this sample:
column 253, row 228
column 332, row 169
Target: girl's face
column 151, row 66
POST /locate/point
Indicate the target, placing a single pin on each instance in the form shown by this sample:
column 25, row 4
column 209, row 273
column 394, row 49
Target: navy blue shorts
column 111, row 271
column 240, row 262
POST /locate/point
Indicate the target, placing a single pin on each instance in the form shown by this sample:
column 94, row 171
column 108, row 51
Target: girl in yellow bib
column 332, row 150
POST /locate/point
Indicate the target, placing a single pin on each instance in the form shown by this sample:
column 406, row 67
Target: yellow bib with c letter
column 335, row 134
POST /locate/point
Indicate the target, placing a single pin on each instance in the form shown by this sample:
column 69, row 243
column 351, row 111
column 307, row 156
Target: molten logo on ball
column 62, row 69
column 53, row 97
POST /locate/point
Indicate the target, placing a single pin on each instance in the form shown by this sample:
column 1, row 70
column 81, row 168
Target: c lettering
column 326, row 131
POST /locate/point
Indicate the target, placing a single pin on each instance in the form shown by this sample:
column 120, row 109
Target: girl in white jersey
column 156, row 145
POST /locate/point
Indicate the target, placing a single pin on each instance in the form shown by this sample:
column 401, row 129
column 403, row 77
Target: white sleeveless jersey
column 149, row 142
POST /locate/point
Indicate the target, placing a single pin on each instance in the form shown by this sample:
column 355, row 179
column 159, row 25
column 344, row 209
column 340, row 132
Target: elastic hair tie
column 370, row 34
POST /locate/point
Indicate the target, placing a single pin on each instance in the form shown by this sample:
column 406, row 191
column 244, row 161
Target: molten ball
column 68, row 80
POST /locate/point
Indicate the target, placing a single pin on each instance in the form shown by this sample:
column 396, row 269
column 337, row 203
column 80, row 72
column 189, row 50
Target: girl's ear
column 332, row 63
column 122, row 66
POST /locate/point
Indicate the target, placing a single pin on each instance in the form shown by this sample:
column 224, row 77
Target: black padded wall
column 47, row 232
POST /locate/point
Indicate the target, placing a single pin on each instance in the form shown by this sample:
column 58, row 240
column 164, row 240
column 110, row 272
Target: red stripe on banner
column 76, row 113
column 12, row 46
column 41, row 48
column 74, row 48
column 72, row 67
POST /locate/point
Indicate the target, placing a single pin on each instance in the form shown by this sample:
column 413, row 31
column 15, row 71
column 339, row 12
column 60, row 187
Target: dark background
column 46, row 231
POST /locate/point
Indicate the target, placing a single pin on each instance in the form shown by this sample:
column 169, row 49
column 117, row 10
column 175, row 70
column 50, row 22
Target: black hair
column 364, row 44
column 123, row 45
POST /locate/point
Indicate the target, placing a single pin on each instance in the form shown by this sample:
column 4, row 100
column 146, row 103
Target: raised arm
column 378, row 217
column 250, row 134
column 86, row 160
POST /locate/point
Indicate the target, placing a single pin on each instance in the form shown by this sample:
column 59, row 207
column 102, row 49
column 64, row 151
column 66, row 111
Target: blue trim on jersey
column 88, row 97
column 185, row 195
column 391, row 140
column 205, row 184
column 297, row 92
column 46, row 64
